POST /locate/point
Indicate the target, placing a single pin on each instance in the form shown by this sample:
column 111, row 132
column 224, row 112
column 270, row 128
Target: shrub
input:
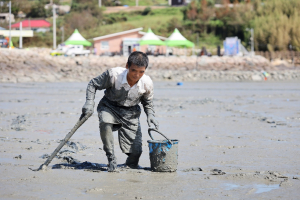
column 146, row 11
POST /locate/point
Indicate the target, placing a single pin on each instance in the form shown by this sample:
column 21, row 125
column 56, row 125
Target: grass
column 157, row 20
column 156, row 23
column 145, row 2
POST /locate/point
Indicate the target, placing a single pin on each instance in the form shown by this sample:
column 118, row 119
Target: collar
column 125, row 82
column 139, row 83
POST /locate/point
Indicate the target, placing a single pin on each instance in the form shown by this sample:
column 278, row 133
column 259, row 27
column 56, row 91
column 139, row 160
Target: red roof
column 33, row 23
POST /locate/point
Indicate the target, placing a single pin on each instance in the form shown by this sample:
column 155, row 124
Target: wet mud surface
column 236, row 141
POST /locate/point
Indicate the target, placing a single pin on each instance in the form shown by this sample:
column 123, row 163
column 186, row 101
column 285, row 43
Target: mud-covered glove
column 151, row 119
column 88, row 107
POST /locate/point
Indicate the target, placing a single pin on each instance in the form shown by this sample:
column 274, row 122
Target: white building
column 4, row 17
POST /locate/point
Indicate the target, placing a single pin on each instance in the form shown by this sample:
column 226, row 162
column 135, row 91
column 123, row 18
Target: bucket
column 163, row 153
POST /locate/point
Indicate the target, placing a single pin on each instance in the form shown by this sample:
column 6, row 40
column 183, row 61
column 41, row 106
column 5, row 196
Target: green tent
column 151, row 39
column 77, row 39
column 177, row 40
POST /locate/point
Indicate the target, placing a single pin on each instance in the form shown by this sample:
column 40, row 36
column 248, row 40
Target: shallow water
column 260, row 188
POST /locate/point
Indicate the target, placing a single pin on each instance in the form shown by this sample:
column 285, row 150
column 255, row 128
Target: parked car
column 61, row 50
column 76, row 50
column 3, row 42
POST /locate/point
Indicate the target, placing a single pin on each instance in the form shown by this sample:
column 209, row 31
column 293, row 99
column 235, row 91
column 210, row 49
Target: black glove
column 88, row 107
column 151, row 119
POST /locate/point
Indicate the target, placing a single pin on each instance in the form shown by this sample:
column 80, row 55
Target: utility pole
column 252, row 41
column 62, row 34
column 100, row 3
column 10, row 42
column 54, row 27
column 21, row 39
column 136, row 3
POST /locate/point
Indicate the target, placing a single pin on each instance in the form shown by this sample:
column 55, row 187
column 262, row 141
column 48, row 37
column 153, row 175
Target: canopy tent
column 151, row 39
column 77, row 39
column 177, row 40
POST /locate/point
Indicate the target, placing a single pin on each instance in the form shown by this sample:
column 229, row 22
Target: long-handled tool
column 81, row 120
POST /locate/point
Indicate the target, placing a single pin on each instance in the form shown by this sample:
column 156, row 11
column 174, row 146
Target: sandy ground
column 243, row 136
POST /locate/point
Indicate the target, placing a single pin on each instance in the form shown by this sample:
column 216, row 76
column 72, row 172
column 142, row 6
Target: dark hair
column 138, row 58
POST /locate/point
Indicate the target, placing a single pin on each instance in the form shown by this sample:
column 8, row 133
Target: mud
column 249, row 131
column 217, row 172
column 18, row 123
column 192, row 169
column 77, row 146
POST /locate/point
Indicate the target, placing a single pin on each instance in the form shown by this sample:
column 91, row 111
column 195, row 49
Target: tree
column 295, row 30
column 38, row 10
column 276, row 24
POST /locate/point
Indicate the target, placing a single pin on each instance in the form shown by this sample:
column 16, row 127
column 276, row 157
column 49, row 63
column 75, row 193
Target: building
column 178, row 2
column 39, row 25
column 60, row 9
column 123, row 43
column 4, row 17
column 21, row 14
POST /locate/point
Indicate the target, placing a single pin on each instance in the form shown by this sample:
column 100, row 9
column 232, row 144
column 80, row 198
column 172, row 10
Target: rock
column 256, row 78
column 45, row 156
column 217, row 172
column 18, row 124
column 36, row 65
column 193, row 169
column 18, row 157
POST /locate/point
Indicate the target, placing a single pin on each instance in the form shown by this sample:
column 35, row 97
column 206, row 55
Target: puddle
column 265, row 188
column 260, row 188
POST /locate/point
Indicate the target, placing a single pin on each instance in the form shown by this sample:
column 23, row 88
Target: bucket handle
column 153, row 129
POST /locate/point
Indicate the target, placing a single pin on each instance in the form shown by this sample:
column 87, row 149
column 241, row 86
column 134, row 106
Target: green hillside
column 145, row 2
column 158, row 20
column 275, row 22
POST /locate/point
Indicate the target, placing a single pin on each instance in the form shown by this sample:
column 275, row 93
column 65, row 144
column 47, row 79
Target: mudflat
column 237, row 140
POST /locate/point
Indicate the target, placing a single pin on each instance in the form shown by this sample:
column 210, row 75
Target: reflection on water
column 260, row 188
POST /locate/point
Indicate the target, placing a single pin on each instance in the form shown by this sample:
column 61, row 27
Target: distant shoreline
column 38, row 66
